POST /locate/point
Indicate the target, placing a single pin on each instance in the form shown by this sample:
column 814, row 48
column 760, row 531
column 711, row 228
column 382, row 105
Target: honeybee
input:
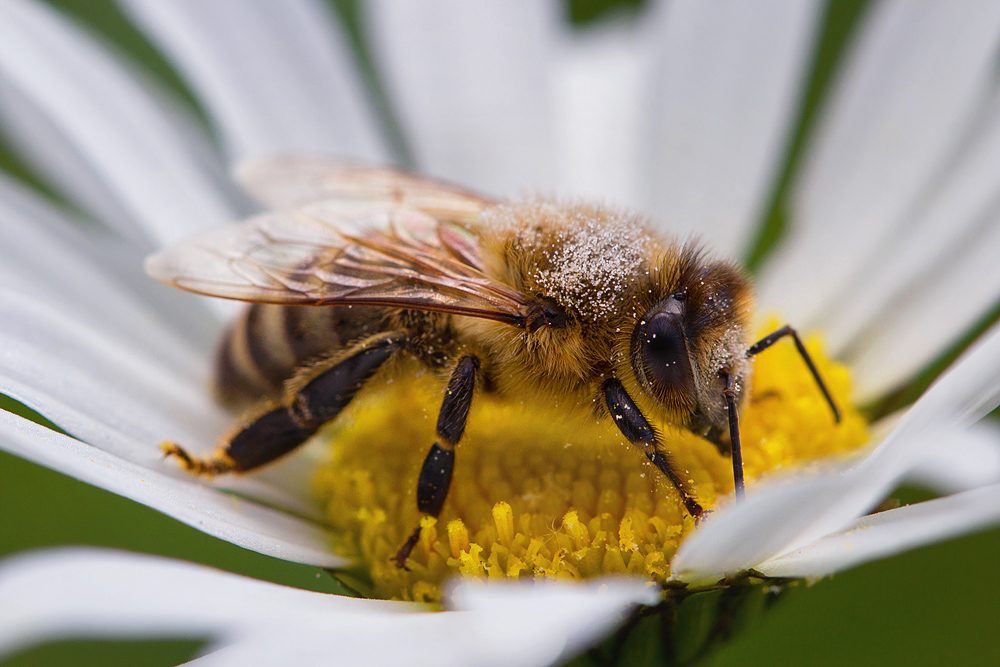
column 533, row 300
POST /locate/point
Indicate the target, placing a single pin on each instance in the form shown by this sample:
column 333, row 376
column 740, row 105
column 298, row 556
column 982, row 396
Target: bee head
column 684, row 341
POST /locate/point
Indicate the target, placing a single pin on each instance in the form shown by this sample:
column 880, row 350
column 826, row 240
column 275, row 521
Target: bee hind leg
column 274, row 429
column 216, row 464
column 435, row 474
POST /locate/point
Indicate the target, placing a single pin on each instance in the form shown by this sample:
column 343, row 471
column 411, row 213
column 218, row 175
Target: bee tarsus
column 404, row 552
column 216, row 464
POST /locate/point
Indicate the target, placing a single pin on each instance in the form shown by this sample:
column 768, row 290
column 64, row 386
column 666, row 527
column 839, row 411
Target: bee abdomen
column 266, row 345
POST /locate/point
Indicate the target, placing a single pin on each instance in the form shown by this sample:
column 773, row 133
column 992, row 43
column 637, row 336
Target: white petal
column 933, row 278
column 963, row 464
column 599, row 87
column 286, row 484
column 910, row 88
column 469, row 82
column 893, row 531
column 277, row 77
column 781, row 516
column 42, row 144
column 932, row 315
column 951, row 215
column 95, row 592
column 129, row 142
column 575, row 614
column 726, row 86
column 771, row 519
column 32, row 226
column 784, row 515
column 57, row 594
column 109, row 354
column 968, row 389
column 241, row 522
column 47, row 258
column 102, row 389
column 126, row 399
column 508, row 624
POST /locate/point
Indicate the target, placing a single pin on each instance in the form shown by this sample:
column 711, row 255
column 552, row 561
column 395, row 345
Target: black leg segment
column 772, row 338
column 325, row 395
column 436, row 472
column 457, row 401
column 734, row 431
column 639, row 432
column 279, row 431
column 435, row 479
column 270, row 436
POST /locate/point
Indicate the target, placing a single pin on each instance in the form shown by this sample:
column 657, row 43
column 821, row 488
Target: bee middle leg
column 639, row 432
column 436, row 472
column 773, row 337
column 277, row 428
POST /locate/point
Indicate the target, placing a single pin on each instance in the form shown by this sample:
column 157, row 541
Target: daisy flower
column 684, row 112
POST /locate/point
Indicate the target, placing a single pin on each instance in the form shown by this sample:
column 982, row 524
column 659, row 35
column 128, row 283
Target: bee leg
column 213, row 465
column 734, row 431
column 435, row 474
column 772, row 338
column 640, row 433
column 276, row 429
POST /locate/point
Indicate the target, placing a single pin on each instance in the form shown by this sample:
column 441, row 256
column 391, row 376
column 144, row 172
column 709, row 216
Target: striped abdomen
column 267, row 344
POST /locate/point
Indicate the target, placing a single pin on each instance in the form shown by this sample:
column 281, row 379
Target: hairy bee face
column 686, row 344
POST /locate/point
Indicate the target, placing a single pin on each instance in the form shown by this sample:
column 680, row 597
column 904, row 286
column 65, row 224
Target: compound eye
column 665, row 352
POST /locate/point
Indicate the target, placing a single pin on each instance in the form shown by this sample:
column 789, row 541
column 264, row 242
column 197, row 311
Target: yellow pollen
column 540, row 491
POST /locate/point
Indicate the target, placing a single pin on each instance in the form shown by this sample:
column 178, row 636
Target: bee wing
column 338, row 252
column 290, row 181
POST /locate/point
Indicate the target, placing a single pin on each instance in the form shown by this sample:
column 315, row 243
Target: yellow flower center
column 542, row 491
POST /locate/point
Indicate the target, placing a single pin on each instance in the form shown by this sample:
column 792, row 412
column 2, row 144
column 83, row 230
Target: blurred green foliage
column 585, row 11
column 935, row 605
column 82, row 653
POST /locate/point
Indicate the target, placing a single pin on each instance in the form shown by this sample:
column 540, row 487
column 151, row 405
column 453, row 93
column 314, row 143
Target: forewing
column 335, row 252
column 291, row 181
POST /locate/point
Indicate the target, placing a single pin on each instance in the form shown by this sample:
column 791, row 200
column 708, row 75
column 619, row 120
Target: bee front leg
column 641, row 433
column 729, row 394
column 435, row 474
column 275, row 429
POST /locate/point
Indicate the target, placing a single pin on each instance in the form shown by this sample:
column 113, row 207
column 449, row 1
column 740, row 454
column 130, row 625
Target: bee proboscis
column 359, row 268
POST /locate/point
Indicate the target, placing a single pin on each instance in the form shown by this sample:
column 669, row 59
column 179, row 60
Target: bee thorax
column 580, row 256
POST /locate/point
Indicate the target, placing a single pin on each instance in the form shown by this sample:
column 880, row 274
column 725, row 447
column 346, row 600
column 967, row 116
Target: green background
column 936, row 605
